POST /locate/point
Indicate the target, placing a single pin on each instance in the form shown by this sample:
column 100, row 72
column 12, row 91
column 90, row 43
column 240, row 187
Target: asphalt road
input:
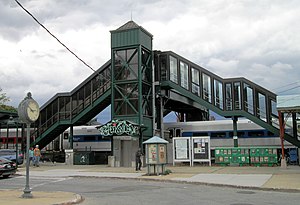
column 97, row 191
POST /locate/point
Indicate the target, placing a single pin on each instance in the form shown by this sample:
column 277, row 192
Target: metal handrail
column 76, row 111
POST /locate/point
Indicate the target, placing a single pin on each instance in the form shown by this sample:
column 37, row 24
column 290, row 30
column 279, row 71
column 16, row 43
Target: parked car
column 10, row 154
column 7, row 167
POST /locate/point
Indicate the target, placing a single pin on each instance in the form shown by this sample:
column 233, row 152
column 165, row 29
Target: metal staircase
column 74, row 108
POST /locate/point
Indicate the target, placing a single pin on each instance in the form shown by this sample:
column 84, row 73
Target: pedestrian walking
column 37, row 156
column 138, row 160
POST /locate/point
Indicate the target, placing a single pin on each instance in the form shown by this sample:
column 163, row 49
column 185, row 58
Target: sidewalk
column 265, row 178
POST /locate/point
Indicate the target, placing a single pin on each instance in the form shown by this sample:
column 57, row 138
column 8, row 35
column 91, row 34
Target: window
column 228, row 96
column 261, row 110
column 218, row 94
column 173, row 70
column 206, row 87
column 274, row 108
column 248, row 95
column 184, row 75
column 195, row 82
column 237, row 95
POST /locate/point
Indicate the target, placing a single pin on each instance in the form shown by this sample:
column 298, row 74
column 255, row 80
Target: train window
column 241, row 134
column 256, row 133
column 201, row 134
column 171, row 133
column 178, row 133
column 66, row 136
column 90, row 138
column 218, row 134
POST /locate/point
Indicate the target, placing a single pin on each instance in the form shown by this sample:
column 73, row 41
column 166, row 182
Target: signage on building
column 119, row 127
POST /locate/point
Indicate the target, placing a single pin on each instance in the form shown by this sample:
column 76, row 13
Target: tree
column 3, row 97
column 3, row 100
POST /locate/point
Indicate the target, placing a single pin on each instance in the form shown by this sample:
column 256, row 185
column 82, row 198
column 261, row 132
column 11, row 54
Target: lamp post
column 28, row 112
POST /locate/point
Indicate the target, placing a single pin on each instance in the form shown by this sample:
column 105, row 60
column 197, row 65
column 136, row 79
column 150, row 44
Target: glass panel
column 261, row 110
column 248, row 96
column 228, row 96
column 206, row 87
column 237, row 95
column 146, row 66
column 163, row 68
column 126, row 64
column 147, row 102
column 119, row 107
column 132, row 108
column 195, row 82
column 184, row 75
column 218, row 94
column 274, row 108
column 173, row 70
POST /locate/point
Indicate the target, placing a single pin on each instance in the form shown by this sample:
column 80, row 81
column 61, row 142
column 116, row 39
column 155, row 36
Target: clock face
column 33, row 111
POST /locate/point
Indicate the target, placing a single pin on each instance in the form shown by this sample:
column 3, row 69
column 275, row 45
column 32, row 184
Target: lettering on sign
column 118, row 127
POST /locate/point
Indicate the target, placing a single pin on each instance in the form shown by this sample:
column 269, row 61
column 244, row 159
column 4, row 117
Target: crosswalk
column 18, row 182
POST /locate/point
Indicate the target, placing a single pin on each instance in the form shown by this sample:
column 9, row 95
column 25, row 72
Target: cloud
column 257, row 40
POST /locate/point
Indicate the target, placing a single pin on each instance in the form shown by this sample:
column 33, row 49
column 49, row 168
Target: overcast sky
column 258, row 40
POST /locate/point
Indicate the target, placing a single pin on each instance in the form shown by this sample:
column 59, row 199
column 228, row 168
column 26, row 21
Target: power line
column 289, row 89
column 54, row 36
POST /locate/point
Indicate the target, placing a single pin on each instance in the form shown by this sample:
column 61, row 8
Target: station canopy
column 288, row 103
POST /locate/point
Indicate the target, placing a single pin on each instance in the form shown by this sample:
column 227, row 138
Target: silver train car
column 87, row 138
column 221, row 133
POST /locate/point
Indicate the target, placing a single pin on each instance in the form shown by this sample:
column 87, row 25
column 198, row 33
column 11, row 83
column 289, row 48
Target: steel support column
column 235, row 136
column 281, row 127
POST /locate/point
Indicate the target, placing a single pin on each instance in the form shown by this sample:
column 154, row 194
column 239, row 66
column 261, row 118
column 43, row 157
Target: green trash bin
column 84, row 158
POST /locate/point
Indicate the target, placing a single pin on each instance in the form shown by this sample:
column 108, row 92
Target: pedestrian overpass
column 177, row 85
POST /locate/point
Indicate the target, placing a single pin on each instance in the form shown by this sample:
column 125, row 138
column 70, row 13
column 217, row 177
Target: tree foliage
column 3, row 100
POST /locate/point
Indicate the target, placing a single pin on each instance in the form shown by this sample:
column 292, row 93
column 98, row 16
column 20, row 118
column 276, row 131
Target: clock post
column 28, row 112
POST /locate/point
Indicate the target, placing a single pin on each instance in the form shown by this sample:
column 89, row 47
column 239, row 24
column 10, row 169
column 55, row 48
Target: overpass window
column 218, row 94
column 237, row 95
column 248, row 95
column 173, row 69
column 228, row 96
column 195, row 82
column 274, row 108
column 206, row 87
column 184, row 75
column 261, row 110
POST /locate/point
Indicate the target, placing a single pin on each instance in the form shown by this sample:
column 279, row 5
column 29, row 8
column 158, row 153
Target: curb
column 78, row 199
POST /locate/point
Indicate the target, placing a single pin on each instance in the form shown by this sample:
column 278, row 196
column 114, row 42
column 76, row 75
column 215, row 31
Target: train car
column 87, row 138
column 9, row 138
column 221, row 133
